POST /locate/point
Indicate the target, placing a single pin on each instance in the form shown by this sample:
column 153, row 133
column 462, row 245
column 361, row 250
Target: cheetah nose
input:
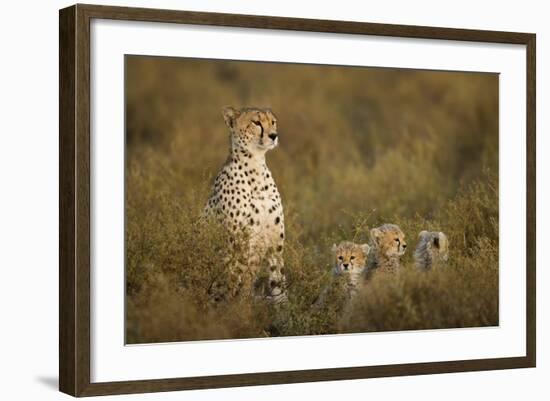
column 404, row 246
column 346, row 265
column 273, row 136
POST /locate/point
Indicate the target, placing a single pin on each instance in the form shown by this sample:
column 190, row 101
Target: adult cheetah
column 246, row 200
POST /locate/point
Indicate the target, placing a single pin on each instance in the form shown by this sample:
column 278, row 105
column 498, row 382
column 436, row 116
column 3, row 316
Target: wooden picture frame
column 74, row 203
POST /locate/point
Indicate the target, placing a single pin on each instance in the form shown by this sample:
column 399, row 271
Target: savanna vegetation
column 359, row 147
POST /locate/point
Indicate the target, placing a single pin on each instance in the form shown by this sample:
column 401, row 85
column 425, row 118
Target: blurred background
column 359, row 147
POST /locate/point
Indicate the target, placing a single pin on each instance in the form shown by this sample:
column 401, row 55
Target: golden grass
column 359, row 147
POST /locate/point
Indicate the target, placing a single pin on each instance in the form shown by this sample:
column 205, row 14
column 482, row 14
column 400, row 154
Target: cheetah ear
column 436, row 241
column 422, row 233
column 375, row 235
column 443, row 238
column 334, row 248
column 365, row 248
column 229, row 115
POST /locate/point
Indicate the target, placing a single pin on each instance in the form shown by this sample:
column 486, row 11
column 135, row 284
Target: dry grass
column 359, row 147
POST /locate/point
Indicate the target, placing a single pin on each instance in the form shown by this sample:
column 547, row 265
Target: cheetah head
column 436, row 243
column 252, row 129
column 389, row 240
column 350, row 257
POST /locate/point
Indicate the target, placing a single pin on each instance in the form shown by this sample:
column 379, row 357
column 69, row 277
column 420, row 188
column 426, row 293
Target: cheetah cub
column 350, row 262
column 246, row 201
column 348, row 275
column 432, row 250
column 388, row 246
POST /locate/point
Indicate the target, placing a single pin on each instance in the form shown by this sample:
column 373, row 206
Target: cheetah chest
column 246, row 196
column 267, row 219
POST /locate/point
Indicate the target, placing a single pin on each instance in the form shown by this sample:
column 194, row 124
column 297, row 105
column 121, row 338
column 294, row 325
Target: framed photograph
column 250, row 200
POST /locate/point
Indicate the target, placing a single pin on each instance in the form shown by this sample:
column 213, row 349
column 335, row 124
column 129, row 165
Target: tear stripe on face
column 259, row 124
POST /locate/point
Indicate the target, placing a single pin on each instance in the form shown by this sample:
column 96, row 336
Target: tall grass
column 359, row 147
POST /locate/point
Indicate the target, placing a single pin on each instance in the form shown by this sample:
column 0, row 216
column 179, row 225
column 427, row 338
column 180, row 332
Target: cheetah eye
column 397, row 239
column 258, row 124
column 340, row 258
column 351, row 257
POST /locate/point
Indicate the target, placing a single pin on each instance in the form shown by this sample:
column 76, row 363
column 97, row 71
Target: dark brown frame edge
column 74, row 199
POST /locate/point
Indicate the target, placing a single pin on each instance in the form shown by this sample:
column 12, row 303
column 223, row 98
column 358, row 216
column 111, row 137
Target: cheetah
column 246, row 200
column 432, row 250
column 348, row 274
column 350, row 262
column 388, row 246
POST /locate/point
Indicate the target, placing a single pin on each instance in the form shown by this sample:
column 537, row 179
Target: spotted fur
column 245, row 198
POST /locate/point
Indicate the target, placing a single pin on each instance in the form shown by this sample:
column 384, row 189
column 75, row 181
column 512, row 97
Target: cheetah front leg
column 226, row 286
column 276, row 291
